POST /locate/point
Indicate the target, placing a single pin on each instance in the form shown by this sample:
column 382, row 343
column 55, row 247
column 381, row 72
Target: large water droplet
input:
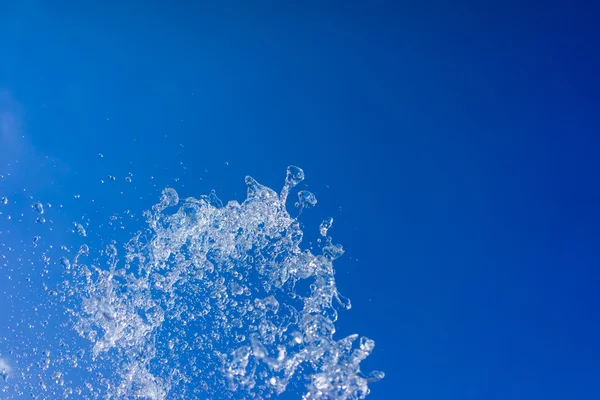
column 376, row 376
column 294, row 176
column 325, row 226
column 306, row 199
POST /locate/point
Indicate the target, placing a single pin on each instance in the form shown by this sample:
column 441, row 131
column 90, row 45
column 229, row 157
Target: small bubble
column 40, row 220
column 4, row 201
column 77, row 196
column 128, row 179
column 100, row 155
column 112, row 178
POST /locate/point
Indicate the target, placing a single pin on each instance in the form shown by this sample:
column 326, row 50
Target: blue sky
column 456, row 149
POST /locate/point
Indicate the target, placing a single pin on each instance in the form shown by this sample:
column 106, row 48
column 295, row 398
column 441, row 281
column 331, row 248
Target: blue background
column 455, row 147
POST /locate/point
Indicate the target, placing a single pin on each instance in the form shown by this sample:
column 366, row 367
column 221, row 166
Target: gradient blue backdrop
column 456, row 148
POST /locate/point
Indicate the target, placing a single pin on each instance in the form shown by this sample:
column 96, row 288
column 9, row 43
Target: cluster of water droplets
column 211, row 300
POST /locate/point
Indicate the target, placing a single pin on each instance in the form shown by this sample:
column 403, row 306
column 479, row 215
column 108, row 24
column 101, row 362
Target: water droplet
column 325, row 225
column 169, row 198
column 100, row 155
column 236, row 289
column 111, row 250
column 306, row 199
column 64, row 261
column 376, row 376
column 79, row 229
column 4, row 201
column 333, row 251
column 39, row 207
column 57, row 376
column 294, row 176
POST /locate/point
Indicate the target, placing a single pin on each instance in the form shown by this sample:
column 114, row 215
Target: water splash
column 210, row 300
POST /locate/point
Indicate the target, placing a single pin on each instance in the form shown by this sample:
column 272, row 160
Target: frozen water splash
column 219, row 301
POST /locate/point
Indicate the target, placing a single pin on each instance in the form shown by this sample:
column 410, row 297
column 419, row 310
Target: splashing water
column 214, row 301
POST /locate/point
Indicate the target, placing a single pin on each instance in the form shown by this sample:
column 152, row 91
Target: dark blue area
column 456, row 148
